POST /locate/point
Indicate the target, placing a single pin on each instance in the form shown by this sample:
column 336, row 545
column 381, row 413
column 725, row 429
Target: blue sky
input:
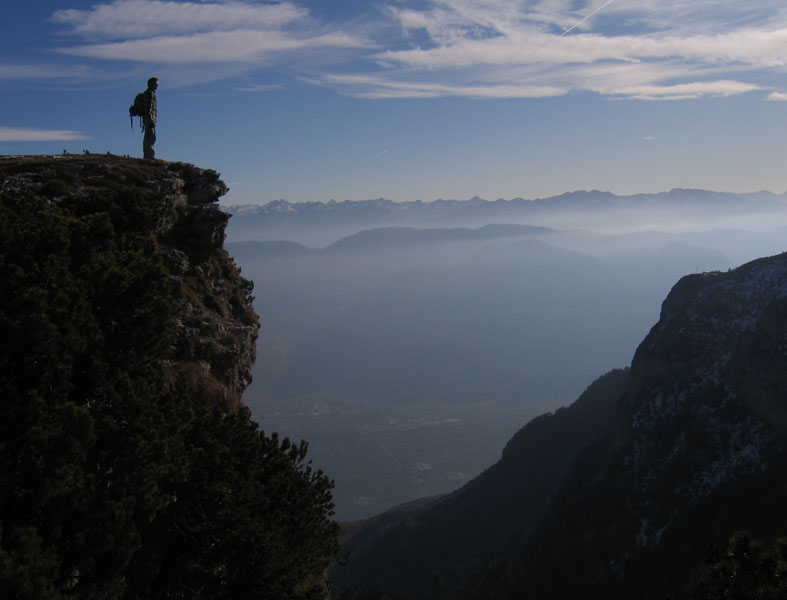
column 347, row 99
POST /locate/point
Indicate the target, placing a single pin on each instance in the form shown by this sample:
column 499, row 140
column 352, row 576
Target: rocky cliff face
column 216, row 329
column 129, row 468
column 709, row 391
column 698, row 451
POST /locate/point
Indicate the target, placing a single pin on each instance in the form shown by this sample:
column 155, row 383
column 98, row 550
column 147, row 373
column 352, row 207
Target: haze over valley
column 407, row 356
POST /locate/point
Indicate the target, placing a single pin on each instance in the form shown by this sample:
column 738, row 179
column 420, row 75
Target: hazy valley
column 407, row 356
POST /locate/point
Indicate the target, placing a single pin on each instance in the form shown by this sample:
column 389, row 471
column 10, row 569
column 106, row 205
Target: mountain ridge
column 698, row 452
column 394, row 236
column 328, row 221
column 282, row 206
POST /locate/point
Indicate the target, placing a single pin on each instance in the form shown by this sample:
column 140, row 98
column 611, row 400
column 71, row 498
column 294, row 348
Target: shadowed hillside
column 680, row 454
column 129, row 467
column 454, row 535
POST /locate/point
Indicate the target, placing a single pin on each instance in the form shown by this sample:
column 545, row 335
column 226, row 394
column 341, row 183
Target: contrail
column 585, row 18
column 378, row 155
column 574, row 26
column 537, row 49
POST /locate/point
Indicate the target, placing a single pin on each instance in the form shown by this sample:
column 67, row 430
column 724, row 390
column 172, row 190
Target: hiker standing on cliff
column 149, row 118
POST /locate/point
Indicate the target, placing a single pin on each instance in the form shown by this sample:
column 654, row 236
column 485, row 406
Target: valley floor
column 384, row 456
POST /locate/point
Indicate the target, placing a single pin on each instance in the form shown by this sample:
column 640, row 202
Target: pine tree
column 115, row 481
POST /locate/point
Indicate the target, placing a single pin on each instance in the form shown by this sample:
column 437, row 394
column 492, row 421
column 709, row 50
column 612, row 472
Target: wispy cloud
column 22, row 134
column 756, row 48
column 372, row 86
column 214, row 47
column 260, row 87
column 645, row 49
column 777, row 97
column 167, row 32
column 684, row 91
column 150, row 18
column 637, row 49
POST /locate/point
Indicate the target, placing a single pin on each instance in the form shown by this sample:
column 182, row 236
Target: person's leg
column 148, row 140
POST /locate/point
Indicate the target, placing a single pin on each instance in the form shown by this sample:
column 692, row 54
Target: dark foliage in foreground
column 746, row 569
column 115, row 480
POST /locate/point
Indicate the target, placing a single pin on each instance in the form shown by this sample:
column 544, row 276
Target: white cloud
column 763, row 49
column 777, row 97
column 212, row 47
column 686, row 91
column 693, row 17
column 149, row 18
column 370, row 86
column 181, row 33
column 22, row 134
column 639, row 49
column 378, row 87
column 642, row 49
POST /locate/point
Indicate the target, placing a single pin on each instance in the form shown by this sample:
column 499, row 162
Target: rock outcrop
column 129, row 466
column 709, row 386
column 216, row 330
column 699, row 450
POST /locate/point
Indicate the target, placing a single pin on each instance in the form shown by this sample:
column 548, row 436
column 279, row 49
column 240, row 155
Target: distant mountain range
column 282, row 209
column 386, row 238
column 281, row 219
column 625, row 493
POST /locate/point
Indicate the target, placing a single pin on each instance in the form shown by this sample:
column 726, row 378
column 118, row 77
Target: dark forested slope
column 699, row 450
column 128, row 466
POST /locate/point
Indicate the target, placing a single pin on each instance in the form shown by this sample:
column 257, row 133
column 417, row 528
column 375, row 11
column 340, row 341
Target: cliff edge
column 129, row 467
column 216, row 327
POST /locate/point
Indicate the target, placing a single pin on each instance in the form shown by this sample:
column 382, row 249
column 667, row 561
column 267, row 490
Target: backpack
column 137, row 109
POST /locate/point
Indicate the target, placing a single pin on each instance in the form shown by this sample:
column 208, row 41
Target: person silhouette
column 149, row 117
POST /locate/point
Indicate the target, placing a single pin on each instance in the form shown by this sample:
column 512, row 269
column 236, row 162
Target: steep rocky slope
column 216, row 329
column 698, row 451
column 129, row 467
